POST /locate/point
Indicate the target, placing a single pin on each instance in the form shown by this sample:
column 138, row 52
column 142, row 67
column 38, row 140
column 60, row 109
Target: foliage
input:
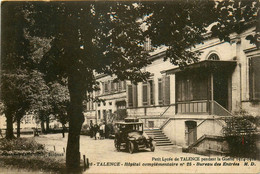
column 242, row 134
column 20, row 144
column 120, row 114
column 244, row 146
column 59, row 101
column 34, row 163
column 180, row 25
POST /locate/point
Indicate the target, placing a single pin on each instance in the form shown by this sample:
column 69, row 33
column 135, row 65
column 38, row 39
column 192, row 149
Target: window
column 147, row 44
column 99, row 115
column 164, row 90
column 254, row 69
column 148, row 93
column 115, row 86
column 213, row 56
column 145, row 92
column 119, row 85
column 105, row 87
column 124, row 85
column 191, row 87
column 160, row 91
column 132, row 95
column 151, row 90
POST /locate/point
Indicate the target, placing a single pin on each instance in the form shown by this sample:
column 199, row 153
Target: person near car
column 95, row 130
column 91, row 132
column 102, row 131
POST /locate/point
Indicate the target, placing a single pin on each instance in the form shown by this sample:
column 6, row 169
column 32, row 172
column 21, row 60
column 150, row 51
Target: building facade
column 192, row 102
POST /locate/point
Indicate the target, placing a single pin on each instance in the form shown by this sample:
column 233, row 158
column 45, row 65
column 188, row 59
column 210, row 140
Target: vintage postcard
column 130, row 87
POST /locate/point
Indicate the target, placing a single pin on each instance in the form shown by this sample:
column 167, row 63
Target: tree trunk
column 9, row 125
column 18, row 127
column 63, row 130
column 76, row 119
column 47, row 124
column 42, row 126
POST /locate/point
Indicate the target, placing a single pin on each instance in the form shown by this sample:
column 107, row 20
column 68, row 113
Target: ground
column 101, row 152
column 102, row 155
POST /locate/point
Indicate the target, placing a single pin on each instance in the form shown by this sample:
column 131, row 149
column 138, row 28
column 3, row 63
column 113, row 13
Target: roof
column 211, row 65
column 122, row 122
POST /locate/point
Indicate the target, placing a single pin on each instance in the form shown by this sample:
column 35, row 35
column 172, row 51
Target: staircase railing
column 166, row 110
column 217, row 109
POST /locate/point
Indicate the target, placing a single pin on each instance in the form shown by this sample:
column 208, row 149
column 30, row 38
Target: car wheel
column 152, row 147
column 117, row 145
column 131, row 147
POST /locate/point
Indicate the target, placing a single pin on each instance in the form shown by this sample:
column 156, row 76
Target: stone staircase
column 159, row 137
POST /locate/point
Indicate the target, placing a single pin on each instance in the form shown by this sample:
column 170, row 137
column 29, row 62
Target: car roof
column 126, row 123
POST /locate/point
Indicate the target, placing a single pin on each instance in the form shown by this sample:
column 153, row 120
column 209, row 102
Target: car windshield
column 132, row 127
column 134, row 134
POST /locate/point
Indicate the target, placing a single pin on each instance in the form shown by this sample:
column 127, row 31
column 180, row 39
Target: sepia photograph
column 130, row 86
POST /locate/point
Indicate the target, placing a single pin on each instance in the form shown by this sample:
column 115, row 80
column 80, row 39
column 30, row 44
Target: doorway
column 105, row 116
column 220, row 88
column 190, row 132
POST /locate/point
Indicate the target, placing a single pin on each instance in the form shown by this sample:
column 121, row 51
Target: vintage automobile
column 130, row 135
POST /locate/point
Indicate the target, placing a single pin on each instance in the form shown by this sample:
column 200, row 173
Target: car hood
column 136, row 135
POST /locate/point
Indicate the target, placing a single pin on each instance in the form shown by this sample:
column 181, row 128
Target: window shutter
column 135, row 96
column 109, row 86
column 130, row 95
column 150, row 92
column 166, row 83
column 119, row 85
column 145, row 94
column 124, row 85
column 254, row 78
column 116, row 86
column 160, row 91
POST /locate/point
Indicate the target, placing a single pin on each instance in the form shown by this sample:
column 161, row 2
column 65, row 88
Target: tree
column 14, row 59
column 86, row 38
column 60, row 103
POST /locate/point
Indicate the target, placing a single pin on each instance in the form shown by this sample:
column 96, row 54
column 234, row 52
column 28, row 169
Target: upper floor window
column 213, row 56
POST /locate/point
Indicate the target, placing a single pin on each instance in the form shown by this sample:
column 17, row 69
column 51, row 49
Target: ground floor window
column 132, row 95
column 164, row 90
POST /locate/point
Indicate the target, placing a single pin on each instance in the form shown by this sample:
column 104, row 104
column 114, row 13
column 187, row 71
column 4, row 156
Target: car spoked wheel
column 152, row 147
column 131, row 147
column 117, row 145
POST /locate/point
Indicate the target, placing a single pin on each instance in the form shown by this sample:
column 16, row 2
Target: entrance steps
column 159, row 137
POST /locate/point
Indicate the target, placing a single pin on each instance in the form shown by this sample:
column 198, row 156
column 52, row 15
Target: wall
column 175, row 128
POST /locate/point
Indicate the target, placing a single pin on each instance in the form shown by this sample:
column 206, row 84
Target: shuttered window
column 135, row 96
column 124, row 85
column 105, row 87
column 130, row 95
column 160, row 91
column 254, row 69
column 166, row 90
column 145, row 92
column 151, row 92
column 119, row 85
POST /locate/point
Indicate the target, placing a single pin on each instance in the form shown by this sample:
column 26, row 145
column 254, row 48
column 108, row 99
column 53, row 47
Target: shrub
column 242, row 134
column 34, row 163
column 20, row 144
